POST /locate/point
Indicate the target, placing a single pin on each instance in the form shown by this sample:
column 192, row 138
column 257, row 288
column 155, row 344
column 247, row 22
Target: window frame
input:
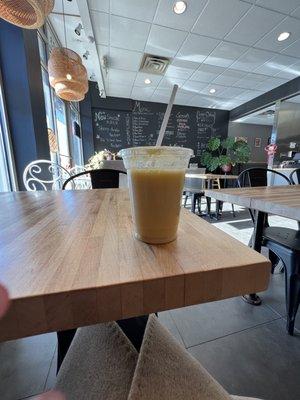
column 50, row 39
column 6, row 143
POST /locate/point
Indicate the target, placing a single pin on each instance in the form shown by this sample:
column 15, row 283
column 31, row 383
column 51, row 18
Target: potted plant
column 96, row 161
column 225, row 154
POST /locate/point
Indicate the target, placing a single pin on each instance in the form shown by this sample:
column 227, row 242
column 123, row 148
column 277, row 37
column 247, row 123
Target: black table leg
column 64, row 340
column 134, row 329
column 260, row 220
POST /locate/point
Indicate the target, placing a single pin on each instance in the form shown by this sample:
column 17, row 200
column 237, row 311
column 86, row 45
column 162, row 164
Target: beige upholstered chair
column 103, row 364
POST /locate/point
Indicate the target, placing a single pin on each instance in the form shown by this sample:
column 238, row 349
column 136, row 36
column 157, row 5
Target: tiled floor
column 245, row 348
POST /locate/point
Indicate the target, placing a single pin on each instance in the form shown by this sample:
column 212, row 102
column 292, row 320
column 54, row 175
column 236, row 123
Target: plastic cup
column 156, row 178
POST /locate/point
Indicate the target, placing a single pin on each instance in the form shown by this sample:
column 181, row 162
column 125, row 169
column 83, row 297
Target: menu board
column 187, row 127
column 112, row 129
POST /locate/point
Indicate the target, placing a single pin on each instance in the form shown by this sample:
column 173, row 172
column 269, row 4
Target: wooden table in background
column 209, row 177
column 70, row 259
column 208, row 184
column 280, row 200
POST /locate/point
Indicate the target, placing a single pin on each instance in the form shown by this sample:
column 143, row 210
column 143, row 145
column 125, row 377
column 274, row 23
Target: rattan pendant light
column 67, row 74
column 29, row 14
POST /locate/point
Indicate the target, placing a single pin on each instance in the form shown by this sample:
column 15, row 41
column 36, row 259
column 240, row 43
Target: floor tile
column 166, row 319
column 24, row 366
column 51, row 377
column 262, row 362
column 205, row 322
column 274, row 297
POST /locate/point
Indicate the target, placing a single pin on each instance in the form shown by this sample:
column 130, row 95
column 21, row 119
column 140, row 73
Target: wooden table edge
column 99, row 305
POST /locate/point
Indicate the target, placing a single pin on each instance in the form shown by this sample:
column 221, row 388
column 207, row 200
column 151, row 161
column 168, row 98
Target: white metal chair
column 83, row 182
column 44, row 175
column 76, row 170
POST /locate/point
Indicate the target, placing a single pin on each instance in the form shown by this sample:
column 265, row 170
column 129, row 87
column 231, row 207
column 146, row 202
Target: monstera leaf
column 210, row 161
column 241, row 152
column 228, row 143
column 224, row 160
column 213, row 144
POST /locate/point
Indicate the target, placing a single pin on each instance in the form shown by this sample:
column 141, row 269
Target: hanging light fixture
column 29, row 14
column 67, row 74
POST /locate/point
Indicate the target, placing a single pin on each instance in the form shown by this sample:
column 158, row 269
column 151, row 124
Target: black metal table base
column 260, row 219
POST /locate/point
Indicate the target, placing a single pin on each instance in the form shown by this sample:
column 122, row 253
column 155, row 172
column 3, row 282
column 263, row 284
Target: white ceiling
column 228, row 45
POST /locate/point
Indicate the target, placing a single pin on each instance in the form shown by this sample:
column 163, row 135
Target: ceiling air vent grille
column 154, row 64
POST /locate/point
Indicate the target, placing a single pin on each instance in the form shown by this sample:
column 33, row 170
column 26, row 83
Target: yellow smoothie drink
column 156, row 178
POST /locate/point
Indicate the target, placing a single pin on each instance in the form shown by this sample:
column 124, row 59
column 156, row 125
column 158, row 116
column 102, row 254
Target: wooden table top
column 209, row 176
column 280, row 200
column 70, row 259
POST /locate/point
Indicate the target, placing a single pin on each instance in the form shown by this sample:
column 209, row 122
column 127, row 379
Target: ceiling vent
column 154, row 64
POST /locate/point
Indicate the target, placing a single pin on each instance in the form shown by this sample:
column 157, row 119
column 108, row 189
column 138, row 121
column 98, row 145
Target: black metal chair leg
column 293, row 299
column 208, row 203
column 185, row 200
column 274, row 260
column 193, row 206
column 199, row 204
column 233, row 211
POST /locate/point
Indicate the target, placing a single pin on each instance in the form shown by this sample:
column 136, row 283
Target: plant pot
column 226, row 168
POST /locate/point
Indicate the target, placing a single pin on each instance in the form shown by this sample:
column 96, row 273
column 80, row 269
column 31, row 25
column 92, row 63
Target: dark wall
column 114, row 123
column 23, row 90
column 251, row 132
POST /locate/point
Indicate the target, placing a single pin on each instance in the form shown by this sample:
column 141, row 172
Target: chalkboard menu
column 188, row 126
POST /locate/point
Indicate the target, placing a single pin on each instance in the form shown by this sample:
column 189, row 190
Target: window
column 7, row 170
column 62, row 133
column 61, row 116
column 76, row 137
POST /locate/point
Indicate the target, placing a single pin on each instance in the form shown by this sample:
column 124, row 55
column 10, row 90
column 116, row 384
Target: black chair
column 256, row 177
column 195, row 188
column 283, row 244
column 100, row 178
column 293, row 175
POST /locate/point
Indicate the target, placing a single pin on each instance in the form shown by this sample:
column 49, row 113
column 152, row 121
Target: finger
column 52, row 395
column 4, row 300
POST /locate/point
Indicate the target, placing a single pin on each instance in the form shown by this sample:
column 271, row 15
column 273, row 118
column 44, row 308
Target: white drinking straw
column 166, row 117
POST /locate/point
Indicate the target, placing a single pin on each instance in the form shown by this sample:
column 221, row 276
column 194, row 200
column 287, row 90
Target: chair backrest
column 194, row 184
column 99, row 179
column 44, row 175
column 76, row 170
column 193, row 165
column 295, row 177
column 255, row 177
